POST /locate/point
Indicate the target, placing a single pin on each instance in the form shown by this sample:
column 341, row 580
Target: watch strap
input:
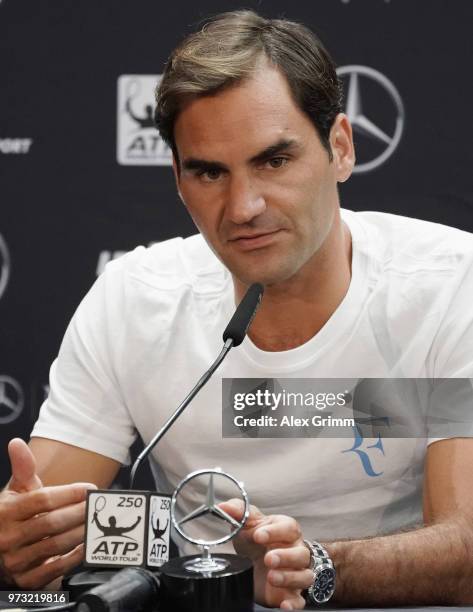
column 318, row 555
column 320, row 562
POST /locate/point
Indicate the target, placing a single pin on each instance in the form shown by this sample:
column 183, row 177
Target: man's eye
column 277, row 162
column 210, row 175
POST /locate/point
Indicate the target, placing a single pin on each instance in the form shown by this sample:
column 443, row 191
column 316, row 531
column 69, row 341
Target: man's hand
column 280, row 558
column 41, row 528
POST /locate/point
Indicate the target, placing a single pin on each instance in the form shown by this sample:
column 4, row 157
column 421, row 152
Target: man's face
column 256, row 179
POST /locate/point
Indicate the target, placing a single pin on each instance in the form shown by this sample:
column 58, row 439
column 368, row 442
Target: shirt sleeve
column 450, row 413
column 85, row 407
column 451, row 407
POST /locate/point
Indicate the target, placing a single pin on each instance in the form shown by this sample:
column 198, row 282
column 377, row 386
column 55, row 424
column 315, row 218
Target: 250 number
column 130, row 502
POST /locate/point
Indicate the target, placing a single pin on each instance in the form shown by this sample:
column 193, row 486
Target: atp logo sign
column 158, row 530
column 115, row 528
column 138, row 140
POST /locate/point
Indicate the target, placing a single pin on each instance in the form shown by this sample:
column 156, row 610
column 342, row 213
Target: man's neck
column 294, row 311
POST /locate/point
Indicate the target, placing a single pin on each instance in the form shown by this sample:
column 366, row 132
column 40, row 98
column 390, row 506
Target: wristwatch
column 323, row 586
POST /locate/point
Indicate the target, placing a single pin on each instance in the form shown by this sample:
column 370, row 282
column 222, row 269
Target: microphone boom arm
column 167, row 425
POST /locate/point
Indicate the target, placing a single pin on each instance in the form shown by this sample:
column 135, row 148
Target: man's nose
column 244, row 200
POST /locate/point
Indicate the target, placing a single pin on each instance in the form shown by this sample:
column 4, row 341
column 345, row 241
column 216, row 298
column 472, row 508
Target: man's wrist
column 337, row 551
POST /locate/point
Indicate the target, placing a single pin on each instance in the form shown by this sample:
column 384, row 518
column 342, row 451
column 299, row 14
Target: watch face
column 324, row 585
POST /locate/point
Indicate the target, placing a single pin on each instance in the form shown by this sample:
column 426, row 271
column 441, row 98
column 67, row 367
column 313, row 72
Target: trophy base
column 229, row 590
column 206, row 565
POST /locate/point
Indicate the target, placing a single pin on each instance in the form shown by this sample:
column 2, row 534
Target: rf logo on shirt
column 360, row 448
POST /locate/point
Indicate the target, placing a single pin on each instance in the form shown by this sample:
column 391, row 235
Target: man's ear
column 177, row 176
column 343, row 149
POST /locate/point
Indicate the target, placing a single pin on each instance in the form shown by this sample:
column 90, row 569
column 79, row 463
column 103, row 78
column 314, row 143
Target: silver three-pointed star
column 209, row 507
column 11, row 399
column 360, row 122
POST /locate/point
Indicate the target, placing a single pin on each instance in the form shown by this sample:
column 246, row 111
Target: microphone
column 233, row 335
column 244, row 315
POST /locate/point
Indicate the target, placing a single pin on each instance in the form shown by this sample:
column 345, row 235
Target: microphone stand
column 167, row 425
column 233, row 335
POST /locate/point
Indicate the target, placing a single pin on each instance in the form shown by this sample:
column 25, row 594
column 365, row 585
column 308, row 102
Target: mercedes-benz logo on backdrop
column 12, row 399
column 376, row 111
column 4, row 266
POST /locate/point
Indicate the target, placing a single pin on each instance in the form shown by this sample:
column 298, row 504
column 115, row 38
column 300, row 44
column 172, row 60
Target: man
column 252, row 111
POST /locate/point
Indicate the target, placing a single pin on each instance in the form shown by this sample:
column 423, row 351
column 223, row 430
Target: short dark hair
column 226, row 51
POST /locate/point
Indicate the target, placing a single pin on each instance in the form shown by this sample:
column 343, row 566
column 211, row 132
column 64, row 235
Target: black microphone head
column 244, row 314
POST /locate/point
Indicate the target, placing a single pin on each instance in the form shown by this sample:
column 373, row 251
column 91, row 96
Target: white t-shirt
column 153, row 322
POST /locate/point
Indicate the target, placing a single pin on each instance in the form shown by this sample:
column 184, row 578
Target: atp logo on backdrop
column 138, row 141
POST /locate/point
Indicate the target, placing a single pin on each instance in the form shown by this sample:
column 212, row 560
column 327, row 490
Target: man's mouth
column 246, row 241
